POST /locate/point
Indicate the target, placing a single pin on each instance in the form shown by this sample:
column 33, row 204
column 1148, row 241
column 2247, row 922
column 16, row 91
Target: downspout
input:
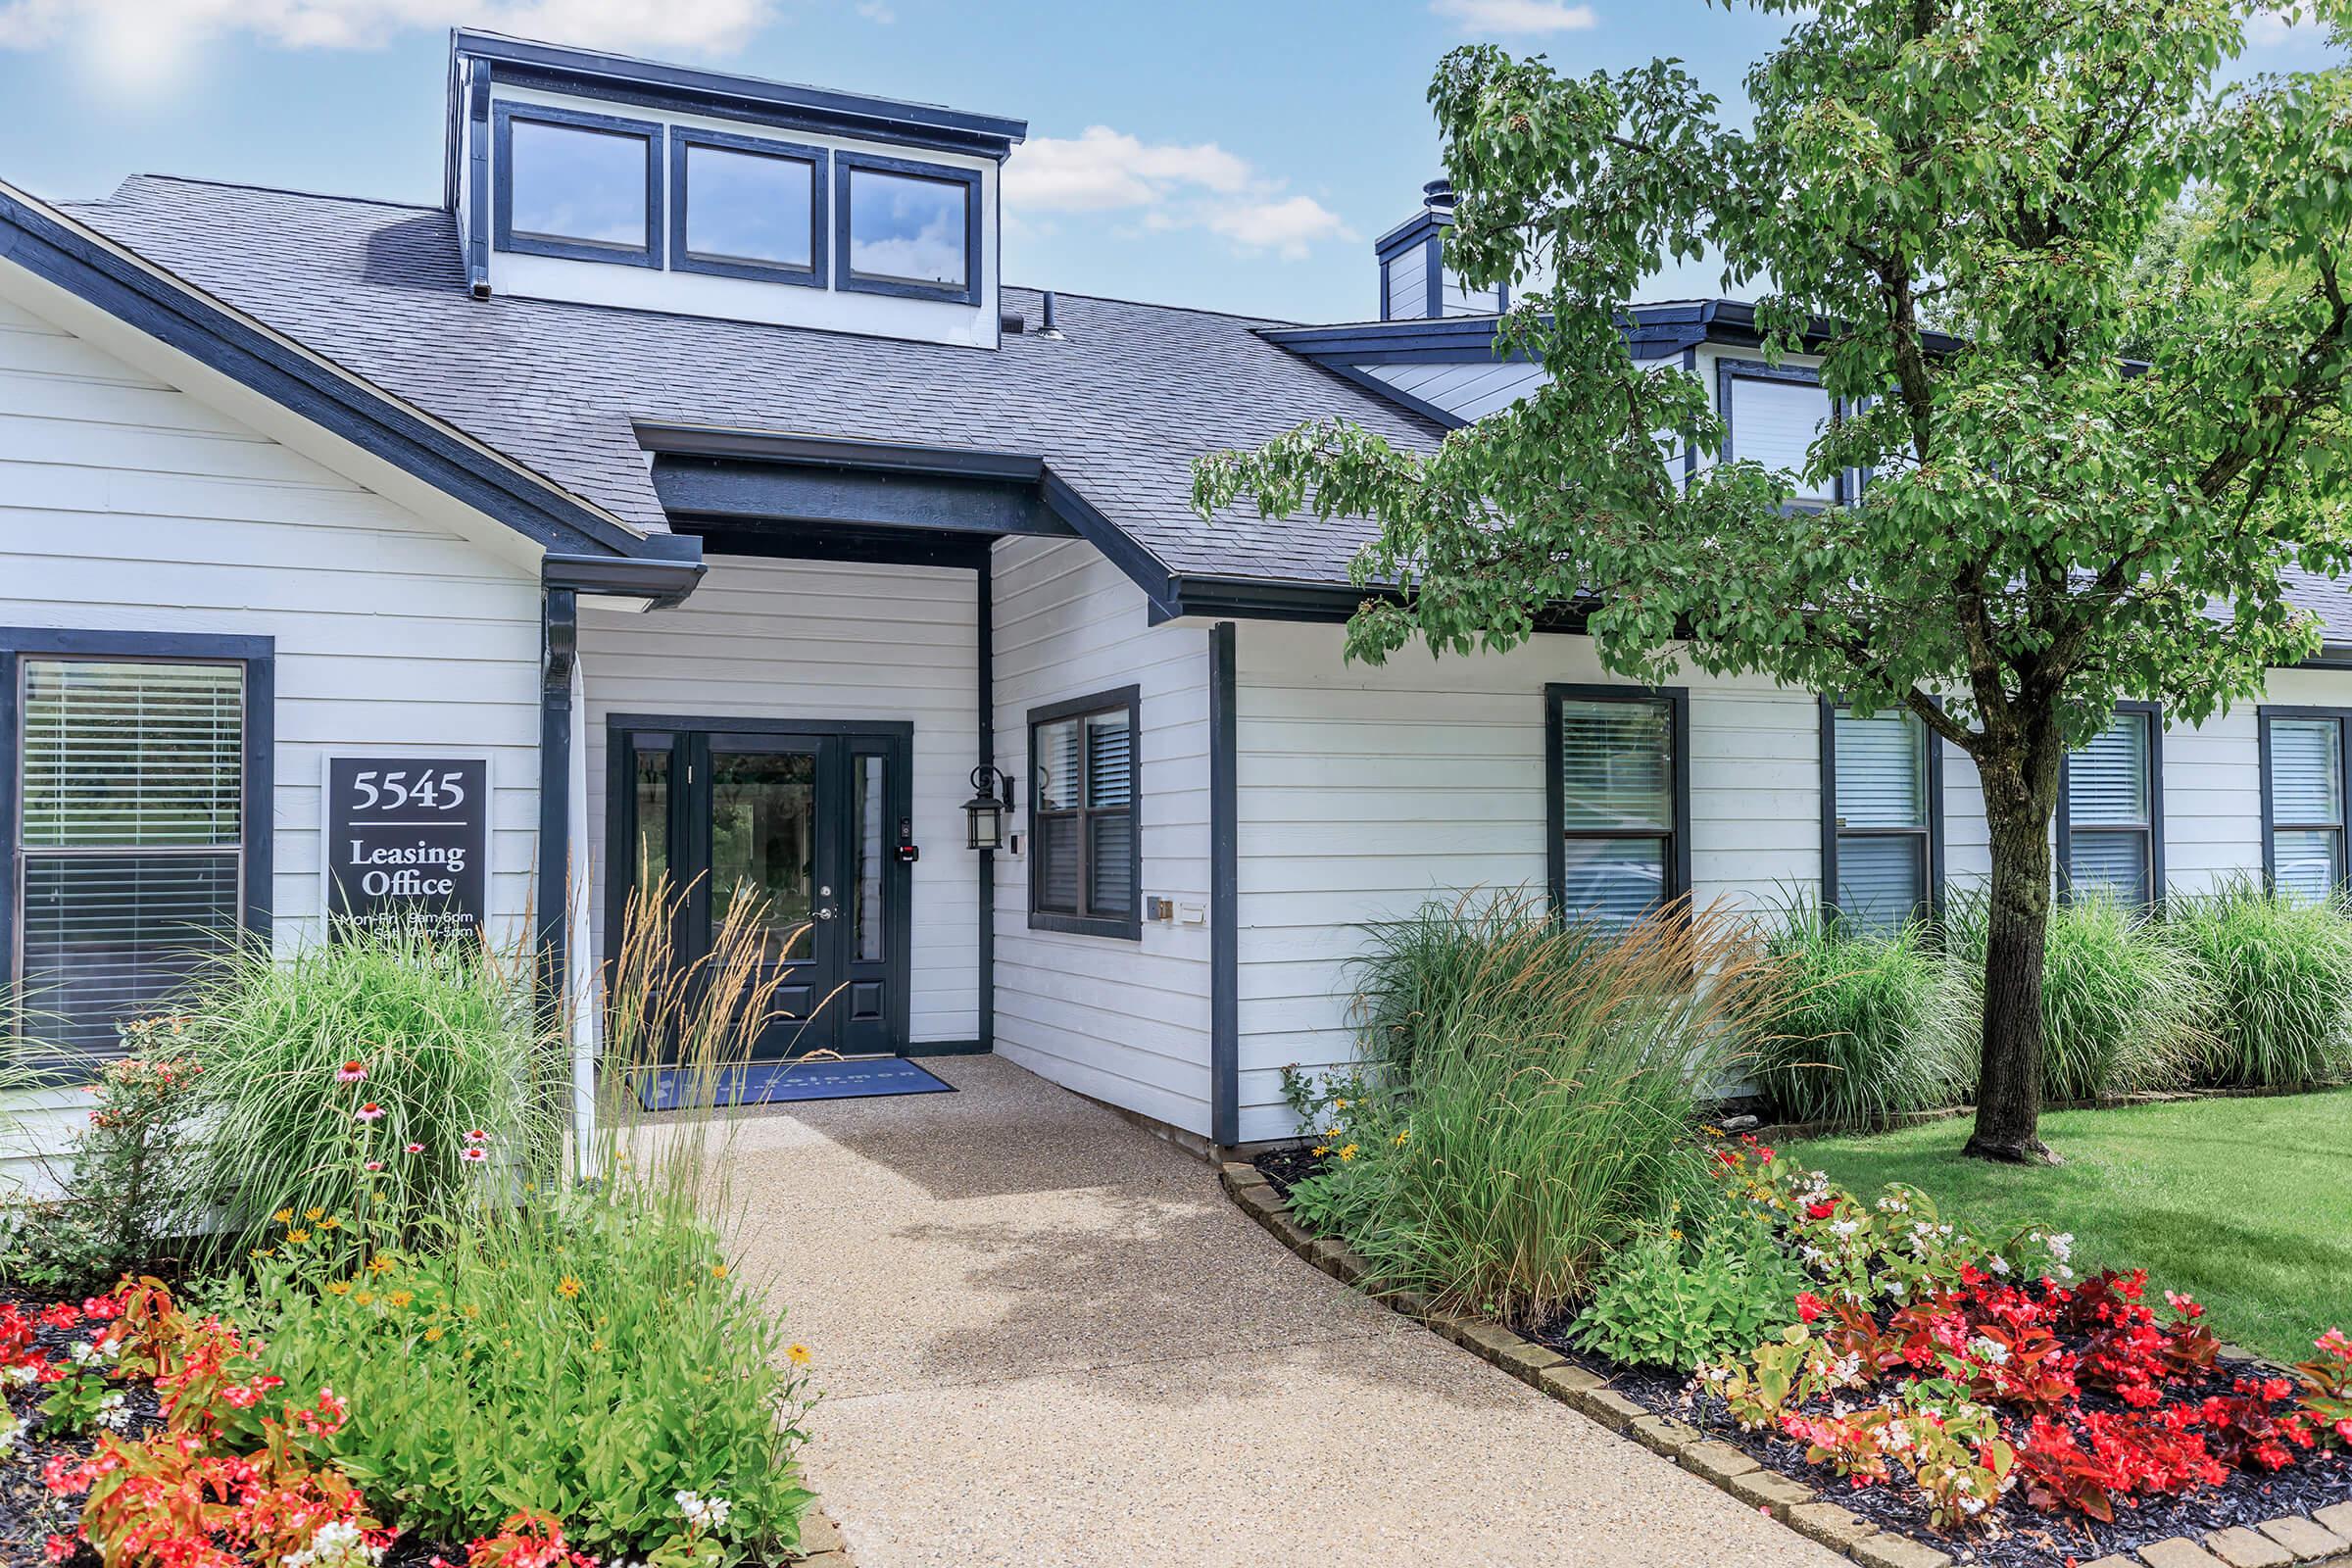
column 551, row 917
column 1224, row 885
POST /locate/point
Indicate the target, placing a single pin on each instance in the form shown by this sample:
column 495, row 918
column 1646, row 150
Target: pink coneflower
column 475, row 1154
column 415, row 1149
column 477, row 1135
column 351, row 1072
column 371, row 1111
column 376, row 1164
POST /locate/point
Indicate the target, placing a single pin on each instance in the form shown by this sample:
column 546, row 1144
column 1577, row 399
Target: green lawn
column 2245, row 1204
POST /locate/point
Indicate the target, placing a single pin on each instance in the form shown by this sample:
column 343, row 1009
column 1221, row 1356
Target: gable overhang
column 160, row 325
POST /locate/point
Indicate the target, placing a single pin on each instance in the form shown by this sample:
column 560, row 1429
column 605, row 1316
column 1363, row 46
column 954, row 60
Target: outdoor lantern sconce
column 992, row 798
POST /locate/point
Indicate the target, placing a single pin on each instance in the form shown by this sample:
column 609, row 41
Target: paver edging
column 1812, row 1513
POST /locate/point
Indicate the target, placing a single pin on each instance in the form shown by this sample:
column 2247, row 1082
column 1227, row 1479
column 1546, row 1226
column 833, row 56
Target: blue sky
column 1234, row 154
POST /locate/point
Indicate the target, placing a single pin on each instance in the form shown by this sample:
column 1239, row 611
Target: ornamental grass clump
column 1548, row 1111
column 2278, row 1002
column 2125, row 1008
column 1862, row 1027
column 391, row 1035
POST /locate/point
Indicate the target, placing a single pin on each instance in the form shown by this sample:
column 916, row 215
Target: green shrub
column 1671, row 1299
column 2278, row 1002
column 1547, row 1111
column 590, row 1357
column 1862, row 1027
column 2123, row 1004
column 446, row 1038
column 1418, row 973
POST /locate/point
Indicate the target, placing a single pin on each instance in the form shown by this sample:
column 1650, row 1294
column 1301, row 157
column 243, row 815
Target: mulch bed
column 2028, row 1538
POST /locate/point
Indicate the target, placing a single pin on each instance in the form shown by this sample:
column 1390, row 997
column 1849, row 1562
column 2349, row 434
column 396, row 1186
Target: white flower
column 18, row 1376
column 703, row 1513
column 113, row 1411
column 2062, row 1246
column 1990, row 1352
column 12, row 1427
column 1897, row 1437
column 1998, row 1264
column 83, row 1353
column 1846, row 1227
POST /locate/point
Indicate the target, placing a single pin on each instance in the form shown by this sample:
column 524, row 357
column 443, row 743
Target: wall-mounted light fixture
column 984, row 813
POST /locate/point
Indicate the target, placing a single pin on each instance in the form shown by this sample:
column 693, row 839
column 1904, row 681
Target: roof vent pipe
column 1049, row 330
column 1437, row 195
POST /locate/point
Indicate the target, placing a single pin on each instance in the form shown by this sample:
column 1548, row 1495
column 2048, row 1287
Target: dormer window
column 587, row 187
column 906, row 228
column 746, row 207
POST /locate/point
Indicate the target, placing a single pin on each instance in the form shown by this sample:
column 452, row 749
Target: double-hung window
column 2110, row 811
column 584, row 187
column 1618, row 800
column 1085, row 857
column 136, row 816
column 2303, row 800
column 1879, row 847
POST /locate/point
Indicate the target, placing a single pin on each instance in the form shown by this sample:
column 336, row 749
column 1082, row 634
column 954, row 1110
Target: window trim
column 1555, row 829
column 257, row 815
column 2152, row 714
column 504, row 113
column 682, row 138
column 1830, row 832
column 1129, row 926
column 1728, row 370
column 2342, row 719
column 847, row 279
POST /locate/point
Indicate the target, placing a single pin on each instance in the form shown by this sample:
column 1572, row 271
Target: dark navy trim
column 1690, row 445
column 665, row 582
column 710, row 441
column 1416, row 229
column 504, row 113
column 1829, row 830
column 2342, row 718
column 598, row 74
column 1447, row 340
column 1729, row 371
column 158, row 305
column 1143, row 568
column 258, row 803
column 681, row 194
column 476, row 154
column 985, row 711
column 847, row 278
column 730, row 489
column 1224, row 892
column 560, row 623
column 1678, row 722
column 2151, row 714
column 888, row 547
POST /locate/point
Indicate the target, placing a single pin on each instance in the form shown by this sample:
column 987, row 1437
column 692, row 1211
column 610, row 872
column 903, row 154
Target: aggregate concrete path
column 1047, row 1339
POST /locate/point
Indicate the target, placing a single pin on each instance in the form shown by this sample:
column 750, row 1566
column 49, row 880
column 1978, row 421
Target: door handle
column 827, row 911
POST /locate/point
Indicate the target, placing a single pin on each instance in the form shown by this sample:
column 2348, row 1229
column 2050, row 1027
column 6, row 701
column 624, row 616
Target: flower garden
column 325, row 1290
column 1527, row 1139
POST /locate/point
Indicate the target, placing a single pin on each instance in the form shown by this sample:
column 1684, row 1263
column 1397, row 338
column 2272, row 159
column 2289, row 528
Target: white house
column 685, row 486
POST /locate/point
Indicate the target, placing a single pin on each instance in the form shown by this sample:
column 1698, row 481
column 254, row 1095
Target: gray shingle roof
column 1119, row 407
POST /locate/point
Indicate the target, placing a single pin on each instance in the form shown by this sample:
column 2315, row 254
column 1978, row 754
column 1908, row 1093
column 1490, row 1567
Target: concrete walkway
column 1047, row 1339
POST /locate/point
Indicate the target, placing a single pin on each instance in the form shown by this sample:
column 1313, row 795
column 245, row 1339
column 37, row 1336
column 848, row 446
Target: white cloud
column 877, row 11
column 1166, row 186
column 1516, row 16
column 2269, row 30
column 148, row 30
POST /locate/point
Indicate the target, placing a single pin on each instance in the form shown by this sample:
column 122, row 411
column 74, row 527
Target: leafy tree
column 2101, row 481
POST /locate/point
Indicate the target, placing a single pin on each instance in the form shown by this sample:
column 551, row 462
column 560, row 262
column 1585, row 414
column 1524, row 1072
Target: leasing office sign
column 407, row 842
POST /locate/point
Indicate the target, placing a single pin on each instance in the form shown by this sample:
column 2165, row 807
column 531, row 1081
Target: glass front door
column 791, row 829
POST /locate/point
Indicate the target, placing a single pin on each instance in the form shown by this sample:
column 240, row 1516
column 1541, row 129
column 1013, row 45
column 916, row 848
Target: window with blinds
column 129, row 847
column 2107, row 839
column 2303, row 768
column 1616, row 805
column 1085, row 871
column 1881, row 807
column 1775, row 417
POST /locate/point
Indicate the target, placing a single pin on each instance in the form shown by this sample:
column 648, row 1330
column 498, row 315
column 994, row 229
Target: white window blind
column 1616, row 791
column 1775, row 423
column 2109, row 825
column 129, row 837
column 2307, row 807
column 1879, row 788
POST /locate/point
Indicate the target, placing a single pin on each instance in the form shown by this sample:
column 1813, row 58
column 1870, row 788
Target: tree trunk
column 2017, row 925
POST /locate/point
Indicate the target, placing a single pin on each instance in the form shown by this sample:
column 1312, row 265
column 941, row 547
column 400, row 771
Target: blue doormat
column 769, row 1083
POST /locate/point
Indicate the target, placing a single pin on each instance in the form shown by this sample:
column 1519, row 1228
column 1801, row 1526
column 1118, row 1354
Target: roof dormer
column 605, row 181
column 1414, row 283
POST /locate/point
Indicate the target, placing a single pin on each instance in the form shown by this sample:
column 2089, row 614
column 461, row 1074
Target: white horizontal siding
column 821, row 640
column 1365, row 792
column 1124, row 1021
column 127, row 504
